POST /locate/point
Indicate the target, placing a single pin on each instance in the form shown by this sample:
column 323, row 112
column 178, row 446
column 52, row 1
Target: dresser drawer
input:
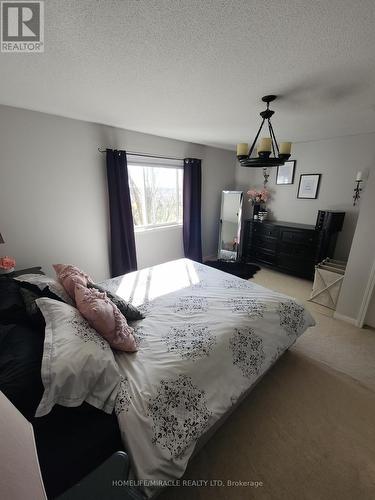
column 265, row 242
column 264, row 229
column 298, row 265
column 297, row 237
column 263, row 255
column 296, row 250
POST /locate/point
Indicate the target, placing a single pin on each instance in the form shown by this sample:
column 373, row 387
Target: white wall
column 338, row 160
column 370, row 316
column 158, row 245
column 53, row 191
column 362, row 257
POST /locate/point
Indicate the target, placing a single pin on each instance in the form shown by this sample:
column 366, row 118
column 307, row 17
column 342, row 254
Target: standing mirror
column 230, row 225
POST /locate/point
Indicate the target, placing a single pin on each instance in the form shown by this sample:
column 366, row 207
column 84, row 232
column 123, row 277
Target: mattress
column 207, row 337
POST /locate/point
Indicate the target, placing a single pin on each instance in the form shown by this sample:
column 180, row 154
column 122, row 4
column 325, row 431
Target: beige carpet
column 307, row 431
column 338, row 344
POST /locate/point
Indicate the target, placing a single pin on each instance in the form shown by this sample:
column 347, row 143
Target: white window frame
column 154, row 161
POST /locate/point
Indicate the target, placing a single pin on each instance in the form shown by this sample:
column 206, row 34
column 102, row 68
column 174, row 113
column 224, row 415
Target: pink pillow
column 103, row 315
column 70, row 276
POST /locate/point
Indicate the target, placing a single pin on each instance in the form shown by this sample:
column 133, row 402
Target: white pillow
column 42, row 281
column 78, row 364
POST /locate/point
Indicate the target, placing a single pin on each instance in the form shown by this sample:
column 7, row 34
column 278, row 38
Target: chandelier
column 269, row 154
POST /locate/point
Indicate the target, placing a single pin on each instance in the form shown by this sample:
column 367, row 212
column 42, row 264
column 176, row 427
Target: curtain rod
column 148, row 155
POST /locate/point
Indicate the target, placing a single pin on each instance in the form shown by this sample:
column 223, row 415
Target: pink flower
column 7, row 263
column 258, row 196
column 264, row 194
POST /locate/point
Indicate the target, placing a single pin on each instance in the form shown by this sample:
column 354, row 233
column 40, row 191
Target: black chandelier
column 269, row 152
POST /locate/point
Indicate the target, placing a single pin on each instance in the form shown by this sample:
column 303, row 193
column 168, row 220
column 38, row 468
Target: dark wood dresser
column 286, row 246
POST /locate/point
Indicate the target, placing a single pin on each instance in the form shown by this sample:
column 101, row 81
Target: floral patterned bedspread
column 206, row 338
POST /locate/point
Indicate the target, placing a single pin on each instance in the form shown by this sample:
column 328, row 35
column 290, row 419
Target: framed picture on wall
column 308, row 186
column 285, row 173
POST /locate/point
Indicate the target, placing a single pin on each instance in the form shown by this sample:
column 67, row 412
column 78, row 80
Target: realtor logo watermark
column 22, row 26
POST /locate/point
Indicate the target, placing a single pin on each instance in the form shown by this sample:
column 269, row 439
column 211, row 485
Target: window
column 155, row 191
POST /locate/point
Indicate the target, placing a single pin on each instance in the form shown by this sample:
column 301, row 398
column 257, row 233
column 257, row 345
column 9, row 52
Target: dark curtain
column 123, row 253
column 192, row 193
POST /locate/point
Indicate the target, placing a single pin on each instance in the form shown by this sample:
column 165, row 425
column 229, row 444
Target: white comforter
column 207, row 337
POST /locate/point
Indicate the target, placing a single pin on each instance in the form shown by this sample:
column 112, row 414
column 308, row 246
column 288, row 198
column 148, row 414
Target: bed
column 206, row 339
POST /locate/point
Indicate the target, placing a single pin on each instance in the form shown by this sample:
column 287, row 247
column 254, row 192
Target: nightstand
column 20, row 272
column 29, row 270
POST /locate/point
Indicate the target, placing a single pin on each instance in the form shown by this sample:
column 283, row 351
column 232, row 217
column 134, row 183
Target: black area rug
column 239, row 269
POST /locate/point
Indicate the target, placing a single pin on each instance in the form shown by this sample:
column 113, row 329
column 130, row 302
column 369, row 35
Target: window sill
column 156, row 228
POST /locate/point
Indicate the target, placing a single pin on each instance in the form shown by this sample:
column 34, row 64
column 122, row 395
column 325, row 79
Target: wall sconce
column 357, row 189
column 265, row 175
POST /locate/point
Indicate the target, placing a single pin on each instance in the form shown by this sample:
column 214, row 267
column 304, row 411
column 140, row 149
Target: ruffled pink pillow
column 105, row 317
column 70, row 276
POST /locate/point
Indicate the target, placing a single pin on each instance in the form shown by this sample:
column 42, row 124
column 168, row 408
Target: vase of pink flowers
column 257, row 199
column 7, row 265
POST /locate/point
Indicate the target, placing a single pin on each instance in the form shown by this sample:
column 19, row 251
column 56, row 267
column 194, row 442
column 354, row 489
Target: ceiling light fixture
column 267, row 145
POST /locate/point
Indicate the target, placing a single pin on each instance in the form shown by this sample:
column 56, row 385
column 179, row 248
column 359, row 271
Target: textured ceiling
column 196, row 69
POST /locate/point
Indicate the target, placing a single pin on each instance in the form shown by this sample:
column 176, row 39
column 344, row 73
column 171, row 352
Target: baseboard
column 210, row 257
column 347, row 319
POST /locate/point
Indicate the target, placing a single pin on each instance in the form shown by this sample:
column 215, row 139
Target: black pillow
column 32, row 310
column 12, row 308
column 46, row 292
column 21, row 351
column 130, row 312
column 29, row 294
